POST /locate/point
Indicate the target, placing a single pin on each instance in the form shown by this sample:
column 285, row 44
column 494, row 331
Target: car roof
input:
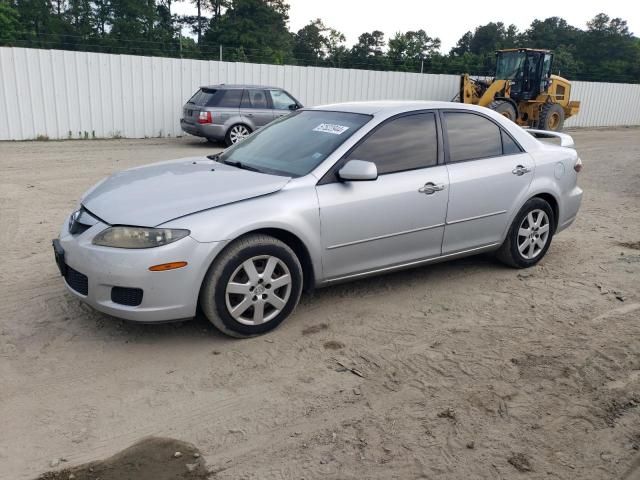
column 392, row 107
column 384, row 109
column 223, row 86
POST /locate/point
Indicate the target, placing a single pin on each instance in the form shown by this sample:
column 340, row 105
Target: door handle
column 430, row 188
column 520, row 170
column 249, row 114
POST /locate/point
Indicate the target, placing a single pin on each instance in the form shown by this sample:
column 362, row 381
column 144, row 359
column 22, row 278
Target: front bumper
column 168, row 295
column 214, row 132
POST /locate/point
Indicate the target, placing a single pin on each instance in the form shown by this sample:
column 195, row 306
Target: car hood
column 154, row 194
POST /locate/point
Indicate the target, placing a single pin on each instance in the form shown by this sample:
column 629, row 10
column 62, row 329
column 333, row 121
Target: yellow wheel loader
column 523, row 90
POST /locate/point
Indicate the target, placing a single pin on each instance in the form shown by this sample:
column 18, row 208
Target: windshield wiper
column 241, row 165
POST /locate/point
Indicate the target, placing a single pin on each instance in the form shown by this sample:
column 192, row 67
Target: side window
column 280, row 100
column 509, row 147
column 231, row 99
column 404, row 143
column 471, row 137
column 257, row 99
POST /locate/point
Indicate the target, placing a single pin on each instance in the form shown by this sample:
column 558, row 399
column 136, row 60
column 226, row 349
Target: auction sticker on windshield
column 331, row 128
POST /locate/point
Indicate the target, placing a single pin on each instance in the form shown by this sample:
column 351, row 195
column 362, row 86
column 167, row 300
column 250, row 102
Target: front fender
column 293, row 210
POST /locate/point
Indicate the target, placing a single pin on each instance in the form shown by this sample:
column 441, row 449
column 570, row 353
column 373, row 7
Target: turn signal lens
column 167, row 266
column 578, row 166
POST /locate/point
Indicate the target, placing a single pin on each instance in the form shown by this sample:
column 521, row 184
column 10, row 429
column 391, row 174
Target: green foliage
column 9, row 23
column 257, row 31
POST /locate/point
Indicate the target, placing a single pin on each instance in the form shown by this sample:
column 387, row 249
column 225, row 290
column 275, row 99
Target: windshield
column 296, row 144
column 509, row 64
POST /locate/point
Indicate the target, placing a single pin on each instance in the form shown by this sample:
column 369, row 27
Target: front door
column 282, row 102
column 394, row 220
column 489, row 177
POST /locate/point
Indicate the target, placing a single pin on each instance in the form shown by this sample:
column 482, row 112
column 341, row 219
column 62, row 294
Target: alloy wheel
column 533, row 234
column 258, row 290
column 238, row 133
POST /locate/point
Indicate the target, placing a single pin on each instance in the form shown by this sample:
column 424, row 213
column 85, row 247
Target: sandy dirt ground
column 461, row 370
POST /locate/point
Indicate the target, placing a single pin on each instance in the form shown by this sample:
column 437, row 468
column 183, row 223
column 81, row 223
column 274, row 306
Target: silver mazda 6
column 323, row 195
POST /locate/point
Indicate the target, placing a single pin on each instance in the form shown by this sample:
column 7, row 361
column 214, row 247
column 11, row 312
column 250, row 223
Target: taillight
column 205, row 117
column 578, row 166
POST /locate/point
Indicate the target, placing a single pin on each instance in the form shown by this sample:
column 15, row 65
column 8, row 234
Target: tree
column 607, row 49
column 369, row 51
column 317, row 44
column 491, row 37
column 407, row 50
column 9, row 23
column 463, row 46
column 551, row 33
column 258, row 26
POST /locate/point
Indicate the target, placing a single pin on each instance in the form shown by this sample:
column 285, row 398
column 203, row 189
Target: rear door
column 225, row 106
column 489, row 176
column 256, row 108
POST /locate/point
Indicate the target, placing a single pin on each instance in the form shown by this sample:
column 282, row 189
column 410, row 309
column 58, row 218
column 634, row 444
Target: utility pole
column 220, row 52
column 422, row 65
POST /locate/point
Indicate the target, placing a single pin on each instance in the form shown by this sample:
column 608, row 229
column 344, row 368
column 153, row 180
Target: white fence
column 64, row 94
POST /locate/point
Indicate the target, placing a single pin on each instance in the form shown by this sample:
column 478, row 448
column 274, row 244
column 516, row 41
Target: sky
column 447, row 20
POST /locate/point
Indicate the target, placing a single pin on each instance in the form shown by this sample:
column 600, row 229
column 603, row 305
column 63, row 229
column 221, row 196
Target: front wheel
column 551, row 117
column 236, row 134
column 529, row 236
column 252, row 287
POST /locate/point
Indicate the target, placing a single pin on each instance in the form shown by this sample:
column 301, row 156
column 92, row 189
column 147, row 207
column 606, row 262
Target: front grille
column 131, row 297
column 77, row 281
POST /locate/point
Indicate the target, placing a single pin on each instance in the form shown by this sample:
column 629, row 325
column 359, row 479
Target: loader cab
column 528, row 70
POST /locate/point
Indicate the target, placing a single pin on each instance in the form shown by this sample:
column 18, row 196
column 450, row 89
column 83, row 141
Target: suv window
column 255, row 99
column 472, row 137
column 404, row 143
column 229, row 99
column 204, row 97
column 281, row 100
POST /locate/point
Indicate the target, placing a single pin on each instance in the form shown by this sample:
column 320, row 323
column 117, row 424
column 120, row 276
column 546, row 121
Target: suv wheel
column 236, row 134
column 252, row 287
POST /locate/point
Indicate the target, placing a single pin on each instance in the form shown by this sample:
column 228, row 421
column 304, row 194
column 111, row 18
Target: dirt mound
column 150, row 459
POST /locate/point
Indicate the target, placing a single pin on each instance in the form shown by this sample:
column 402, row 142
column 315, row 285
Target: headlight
column 138, row 237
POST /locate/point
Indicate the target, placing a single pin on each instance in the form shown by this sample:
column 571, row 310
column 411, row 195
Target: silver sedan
column 323, row 195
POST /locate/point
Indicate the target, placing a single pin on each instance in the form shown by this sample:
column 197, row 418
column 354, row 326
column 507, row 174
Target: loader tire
column 504, row 108
column 551, row 117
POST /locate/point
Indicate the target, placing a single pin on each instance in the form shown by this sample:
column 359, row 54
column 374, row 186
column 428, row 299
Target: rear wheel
column 504, row 108
column 252, row 287
column 529, row 236
column 551, row 117
column 237, row 133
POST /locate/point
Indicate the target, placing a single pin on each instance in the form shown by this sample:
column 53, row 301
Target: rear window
column 202, row 97
column 209, row 97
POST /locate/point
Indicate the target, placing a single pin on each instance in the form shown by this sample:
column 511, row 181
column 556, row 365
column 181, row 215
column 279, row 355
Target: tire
column 236, row 133
column 276, row 303
column 551, row 117
column 504, row 108
column 526, row 246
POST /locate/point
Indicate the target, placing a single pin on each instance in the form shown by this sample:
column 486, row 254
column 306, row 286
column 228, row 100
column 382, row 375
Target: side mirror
column 358, row 170
column 294, row 106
